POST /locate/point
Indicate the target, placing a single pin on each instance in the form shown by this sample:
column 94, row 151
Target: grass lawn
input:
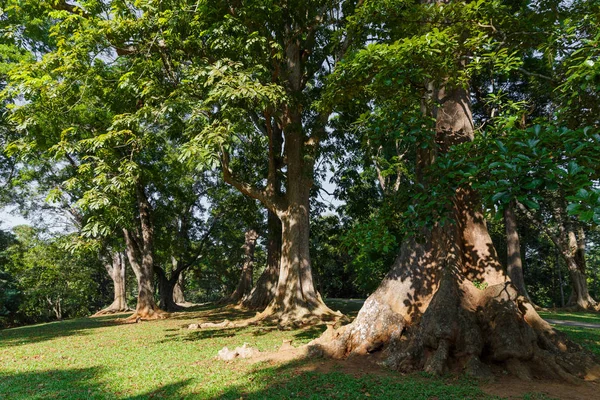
column 96, row 358
column 588, row 317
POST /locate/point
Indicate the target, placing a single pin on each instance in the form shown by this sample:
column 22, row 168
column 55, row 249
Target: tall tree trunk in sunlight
column 446, row 302
column 178, row 290
column 115, row 266
column 140, row 253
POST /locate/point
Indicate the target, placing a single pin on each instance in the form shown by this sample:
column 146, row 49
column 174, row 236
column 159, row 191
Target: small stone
column 245, row 351
column 286, row 345
column 193, row 326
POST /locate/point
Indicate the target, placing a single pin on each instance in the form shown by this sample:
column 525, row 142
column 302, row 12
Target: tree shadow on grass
column 309, row 379
column 77, row 383
column 48, row 331
column 214, row 313
column 310, row 333
column 212, row 333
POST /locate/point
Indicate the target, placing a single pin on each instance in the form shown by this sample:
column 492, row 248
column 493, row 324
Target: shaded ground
column 99, row 358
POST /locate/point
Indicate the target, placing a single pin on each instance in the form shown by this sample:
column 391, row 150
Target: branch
column 539, row 223
column 348, row 40
column 270, row 201
column 256, row 121
column 71, row 8
column 528, row 73
column 175, row 274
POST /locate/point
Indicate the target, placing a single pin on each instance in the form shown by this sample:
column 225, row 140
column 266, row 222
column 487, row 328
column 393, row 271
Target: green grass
column 97, row 358
column 588, row 317
column 588, row 338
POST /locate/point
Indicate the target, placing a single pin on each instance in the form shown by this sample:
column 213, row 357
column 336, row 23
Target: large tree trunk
column 116, row 270
column 244, row 286
column 514, row 263
column 296, row 301
column 447, row 304
column 266, row 286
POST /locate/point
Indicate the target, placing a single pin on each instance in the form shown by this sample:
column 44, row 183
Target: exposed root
column 147, row 314
column 298, row 314
column 244, row 351
column 464, row 329
column 112, row 310
column 186, row 304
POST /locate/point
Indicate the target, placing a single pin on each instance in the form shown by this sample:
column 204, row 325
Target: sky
column 9, row 220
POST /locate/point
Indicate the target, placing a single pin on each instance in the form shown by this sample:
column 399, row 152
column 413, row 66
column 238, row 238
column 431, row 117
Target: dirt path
column 578, row 324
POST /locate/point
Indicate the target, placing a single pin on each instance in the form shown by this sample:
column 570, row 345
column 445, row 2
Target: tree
column 266, row 286
column 115, row 264
column 55, row 282
column 273, row 87
column 446, row 300
column 244, row 287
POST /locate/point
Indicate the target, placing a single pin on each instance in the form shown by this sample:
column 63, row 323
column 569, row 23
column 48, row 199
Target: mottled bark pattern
column 514, row 263
column 266, row 286
column 139, row 249
column 244, row 286
column 116, row 270
column 178, row 290
column 447, row 304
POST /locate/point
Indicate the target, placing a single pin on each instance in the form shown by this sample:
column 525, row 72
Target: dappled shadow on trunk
column 447, row 305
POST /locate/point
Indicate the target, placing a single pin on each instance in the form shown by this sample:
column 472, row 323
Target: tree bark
column 576, row 264
column 178, row 290
column 139, row 249
column 266, row 286
column 244, row 286
column 296, row 301
column 572, row 250
column 116, row 270
column 166, row 290
column 447, row 304
column 514, row 263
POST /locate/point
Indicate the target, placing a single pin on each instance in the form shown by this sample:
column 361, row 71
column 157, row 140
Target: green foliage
column 50, row 282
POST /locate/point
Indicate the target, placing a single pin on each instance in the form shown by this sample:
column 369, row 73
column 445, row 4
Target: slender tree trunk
column 244, row 286
column 166, row 289
column 178, row 291
column 116, row 270
column 144, row 274
column 56, row 307
column 266, row 286
column 514, row 264
column 560, row 281
column 572, row 250
column 139, row 249
column 447, row 303
column 574, row 256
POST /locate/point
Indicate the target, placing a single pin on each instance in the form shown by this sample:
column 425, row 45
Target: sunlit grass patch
column 588, row 317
